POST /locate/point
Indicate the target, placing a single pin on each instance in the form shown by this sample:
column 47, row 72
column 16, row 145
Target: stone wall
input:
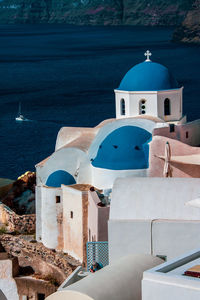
column 14, row 222
column 31, row 287
column 39, row 257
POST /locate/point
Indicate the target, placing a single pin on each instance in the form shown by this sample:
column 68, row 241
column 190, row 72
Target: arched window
column 142, row 107
column 167, row 108
column 122, row 107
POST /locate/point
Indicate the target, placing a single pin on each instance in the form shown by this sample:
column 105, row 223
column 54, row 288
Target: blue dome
column 148, row 76
column 60, row 177
column 126, row 148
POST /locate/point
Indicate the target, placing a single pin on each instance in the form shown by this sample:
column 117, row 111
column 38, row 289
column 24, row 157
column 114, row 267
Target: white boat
column 20, row 117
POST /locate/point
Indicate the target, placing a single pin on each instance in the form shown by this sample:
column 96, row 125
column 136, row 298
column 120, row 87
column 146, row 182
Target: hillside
column 95, row 12
column 189, row 31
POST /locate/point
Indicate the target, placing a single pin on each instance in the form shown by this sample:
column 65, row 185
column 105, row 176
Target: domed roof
column 126, row 148
column 148, row 76
column 60, row 177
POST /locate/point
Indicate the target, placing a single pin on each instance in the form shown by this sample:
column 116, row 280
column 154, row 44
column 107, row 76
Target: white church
column 148, row 100
column 148, row 97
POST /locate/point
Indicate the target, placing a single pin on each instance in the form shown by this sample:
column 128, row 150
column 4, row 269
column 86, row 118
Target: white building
column 168, row 281
column 149, row 215
column 8, row 270
column 148, row 99
column 149, row 89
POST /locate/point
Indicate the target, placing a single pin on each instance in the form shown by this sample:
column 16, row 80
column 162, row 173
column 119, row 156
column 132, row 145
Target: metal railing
column 97, row 252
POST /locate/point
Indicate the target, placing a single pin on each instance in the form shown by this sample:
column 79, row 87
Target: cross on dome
column 148, row 55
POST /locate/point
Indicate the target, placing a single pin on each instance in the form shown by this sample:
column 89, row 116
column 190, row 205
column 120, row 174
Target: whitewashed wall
column 38, row 211
column 73, row 227
column 154, row 198
column 154, row 103
column 7, row 283
column 132, row 100
column 175, row 97
column 104, row 178
column 149, row 215
column 49, row 217
column 70, row 160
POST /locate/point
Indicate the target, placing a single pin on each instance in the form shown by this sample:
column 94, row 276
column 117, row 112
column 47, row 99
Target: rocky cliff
column 189, row 31
column 21, row 195
column 95, row 12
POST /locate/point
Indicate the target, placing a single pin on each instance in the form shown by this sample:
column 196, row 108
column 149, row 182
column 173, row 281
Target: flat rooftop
column 174, row 269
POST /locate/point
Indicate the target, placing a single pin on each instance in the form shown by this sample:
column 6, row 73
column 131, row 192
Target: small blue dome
column 148, row 76
column 60, row 177
column 126, row 148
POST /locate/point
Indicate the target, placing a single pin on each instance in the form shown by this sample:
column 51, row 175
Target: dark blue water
column 65, row 76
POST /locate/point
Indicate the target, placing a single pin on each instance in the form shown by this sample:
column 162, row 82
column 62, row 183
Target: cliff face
column 95, row 12
column 155, row 12
column 189, row 31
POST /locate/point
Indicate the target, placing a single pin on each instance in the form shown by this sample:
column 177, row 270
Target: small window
column 122, row 107
column 142, row 107
column 187, row 134
column 41, row 296
column 71, row 214
column 167, row 107
column 171, row 128
column 57, row 199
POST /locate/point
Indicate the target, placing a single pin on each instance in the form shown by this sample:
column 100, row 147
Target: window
column 171, row 128
column 142, row 107
column 57, row 199
column 167, row 108
column 122, row 107
column 187, row 134
column 41, row 296
column 71, row 214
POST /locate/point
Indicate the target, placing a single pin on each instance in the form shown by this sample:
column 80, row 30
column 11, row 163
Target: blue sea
column 65, row 76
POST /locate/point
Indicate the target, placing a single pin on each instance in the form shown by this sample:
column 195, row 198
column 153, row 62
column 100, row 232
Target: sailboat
column 20, row 117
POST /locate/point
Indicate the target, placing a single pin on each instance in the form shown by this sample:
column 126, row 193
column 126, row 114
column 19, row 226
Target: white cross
column 148, row 55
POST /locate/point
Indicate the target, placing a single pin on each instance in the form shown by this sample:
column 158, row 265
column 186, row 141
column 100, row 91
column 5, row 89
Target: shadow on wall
column 2, row 296
column 191, row 170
